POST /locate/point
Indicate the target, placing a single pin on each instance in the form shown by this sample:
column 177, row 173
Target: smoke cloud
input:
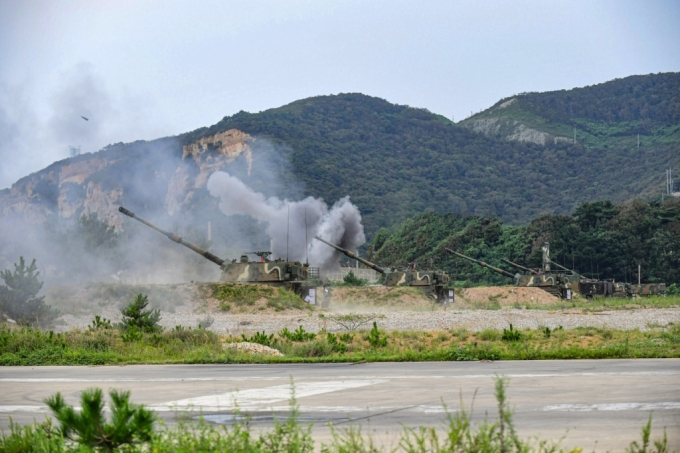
column 292, row 225
column 37, row 132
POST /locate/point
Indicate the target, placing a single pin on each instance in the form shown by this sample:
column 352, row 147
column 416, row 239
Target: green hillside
column 597, row 239
column 608, row 115
column 395, row 161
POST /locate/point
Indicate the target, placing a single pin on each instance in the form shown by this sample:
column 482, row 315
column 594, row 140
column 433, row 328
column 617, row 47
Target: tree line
column 598, row 239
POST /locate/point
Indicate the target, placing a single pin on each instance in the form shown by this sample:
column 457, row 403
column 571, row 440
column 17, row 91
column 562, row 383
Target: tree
column 18, row 298
column 130, row 424
column 135, row 317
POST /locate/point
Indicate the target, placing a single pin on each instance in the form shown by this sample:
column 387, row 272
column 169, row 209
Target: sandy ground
column 507, row 295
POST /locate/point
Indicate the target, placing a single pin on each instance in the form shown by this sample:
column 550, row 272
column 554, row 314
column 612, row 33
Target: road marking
column 320, row 378
column 612, row 407
column 423, row 409
column 260, row 396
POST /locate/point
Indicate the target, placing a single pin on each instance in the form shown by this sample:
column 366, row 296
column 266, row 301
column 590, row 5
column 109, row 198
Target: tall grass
column 25, row 346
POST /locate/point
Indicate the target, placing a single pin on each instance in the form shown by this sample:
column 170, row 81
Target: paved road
column 598, row 405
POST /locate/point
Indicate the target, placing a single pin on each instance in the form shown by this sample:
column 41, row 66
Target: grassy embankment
column 24, row 346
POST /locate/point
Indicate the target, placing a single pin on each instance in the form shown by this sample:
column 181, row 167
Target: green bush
column 130, row 424
column 352, row 280
column 99, row 323
column 299, row 334
column 376, row 338
column 259, row 338
column 135, row 316
column 511, row 335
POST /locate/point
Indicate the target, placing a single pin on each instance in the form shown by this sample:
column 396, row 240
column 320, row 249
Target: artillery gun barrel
column 518, row 266
column 483, row 264
column 353, row 256
column 174, row 237
column 560, row 266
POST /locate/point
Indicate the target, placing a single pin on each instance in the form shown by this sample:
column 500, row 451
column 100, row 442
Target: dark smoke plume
column 292, row 225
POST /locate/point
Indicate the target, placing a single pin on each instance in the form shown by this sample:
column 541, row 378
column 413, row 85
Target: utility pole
column 639, row 273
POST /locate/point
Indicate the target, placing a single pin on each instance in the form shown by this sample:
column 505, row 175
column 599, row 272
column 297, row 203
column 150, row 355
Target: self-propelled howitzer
column 559, row 284
column 294, row 276
column 432, row 283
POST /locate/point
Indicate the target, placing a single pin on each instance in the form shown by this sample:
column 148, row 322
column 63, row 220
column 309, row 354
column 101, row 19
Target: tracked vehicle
column 295, row 276
column 432, row 283
column 563, row 284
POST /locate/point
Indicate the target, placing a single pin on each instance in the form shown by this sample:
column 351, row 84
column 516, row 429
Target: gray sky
column 145, row 69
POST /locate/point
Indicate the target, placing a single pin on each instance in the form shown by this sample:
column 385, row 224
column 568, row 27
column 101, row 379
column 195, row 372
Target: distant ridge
column 394, row 161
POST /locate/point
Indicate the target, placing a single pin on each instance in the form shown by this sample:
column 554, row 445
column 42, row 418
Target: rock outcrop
column 98, row 183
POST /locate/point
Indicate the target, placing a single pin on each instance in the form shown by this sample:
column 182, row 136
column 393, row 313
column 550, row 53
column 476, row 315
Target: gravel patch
column 474, row 320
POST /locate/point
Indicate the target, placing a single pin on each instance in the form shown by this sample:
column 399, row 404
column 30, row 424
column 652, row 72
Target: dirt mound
column 399, row 297
column 505, row 296
column 239, row 298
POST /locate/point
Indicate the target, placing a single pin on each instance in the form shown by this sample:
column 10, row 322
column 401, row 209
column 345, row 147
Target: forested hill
column 609, row 115
column 396, row 161
column 598, row 239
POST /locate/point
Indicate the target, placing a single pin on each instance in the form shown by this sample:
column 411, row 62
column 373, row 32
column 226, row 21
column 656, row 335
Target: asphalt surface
column 598, row 405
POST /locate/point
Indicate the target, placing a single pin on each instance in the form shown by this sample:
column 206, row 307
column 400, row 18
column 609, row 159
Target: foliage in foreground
column 130, row 424
column 132, row 429
column 98, row 346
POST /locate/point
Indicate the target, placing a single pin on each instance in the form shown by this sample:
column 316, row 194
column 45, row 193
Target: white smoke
column 292, row 225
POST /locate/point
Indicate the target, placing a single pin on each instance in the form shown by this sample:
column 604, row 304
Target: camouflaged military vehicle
column 563, row 284
column 294, row 276
column 649, row 289
column 432, row 283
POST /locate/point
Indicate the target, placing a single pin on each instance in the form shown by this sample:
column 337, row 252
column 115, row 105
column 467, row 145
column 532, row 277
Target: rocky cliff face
column 148, row 173
column 496, row 123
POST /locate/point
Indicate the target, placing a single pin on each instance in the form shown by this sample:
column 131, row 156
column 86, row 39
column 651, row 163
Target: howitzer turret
column 295, row 276
column 432, row 283
column 483, row 264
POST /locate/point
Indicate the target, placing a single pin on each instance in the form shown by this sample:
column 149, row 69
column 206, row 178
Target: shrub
column 352, row 280
column 135, row 315
column 130, row 424
column 352, row 321
column 18, row 298
column 511, row 335
column 375, row 338
column 99, row 323
column 332, row 340
column 259, row 338
column 673, row 290
column 299, row 334
column 547, row 332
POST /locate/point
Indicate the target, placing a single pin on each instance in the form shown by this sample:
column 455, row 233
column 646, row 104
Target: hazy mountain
column 393, row 161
